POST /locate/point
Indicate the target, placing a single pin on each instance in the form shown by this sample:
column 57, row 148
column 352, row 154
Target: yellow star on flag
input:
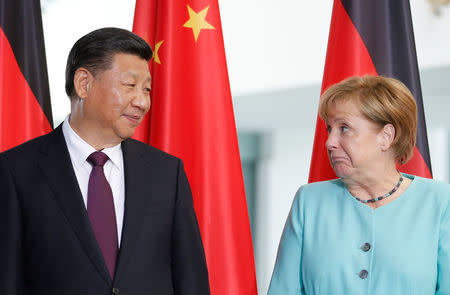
column 197, row 21
column 155, row 54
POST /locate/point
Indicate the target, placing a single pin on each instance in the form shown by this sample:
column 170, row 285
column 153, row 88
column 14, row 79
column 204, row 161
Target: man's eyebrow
column 128, row 74
column 136, row 76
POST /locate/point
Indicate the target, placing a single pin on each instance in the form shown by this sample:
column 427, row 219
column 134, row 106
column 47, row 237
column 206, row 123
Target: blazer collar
column 57, row 167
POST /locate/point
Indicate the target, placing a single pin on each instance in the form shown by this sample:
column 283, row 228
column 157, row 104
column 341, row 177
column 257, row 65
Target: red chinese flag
column 25, row 110
column 372, row 37
column 192, row 118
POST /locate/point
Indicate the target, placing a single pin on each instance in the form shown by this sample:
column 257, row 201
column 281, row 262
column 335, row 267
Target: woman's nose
column 331, row 141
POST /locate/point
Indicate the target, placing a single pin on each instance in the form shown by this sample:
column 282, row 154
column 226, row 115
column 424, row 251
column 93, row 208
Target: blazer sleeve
column 12, row 273
column 443, row 281
column 287, row 276
column 190, row 274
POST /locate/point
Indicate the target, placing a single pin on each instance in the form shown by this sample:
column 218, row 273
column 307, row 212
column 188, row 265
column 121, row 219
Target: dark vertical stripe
column 21, row 22
column 386, row 28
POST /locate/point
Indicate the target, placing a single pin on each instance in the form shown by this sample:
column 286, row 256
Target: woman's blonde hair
column 383, row 101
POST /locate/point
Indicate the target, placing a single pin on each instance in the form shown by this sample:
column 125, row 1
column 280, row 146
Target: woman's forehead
column 344, row 108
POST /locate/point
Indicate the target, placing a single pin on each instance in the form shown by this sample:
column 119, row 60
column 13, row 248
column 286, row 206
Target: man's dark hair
column 95, row 52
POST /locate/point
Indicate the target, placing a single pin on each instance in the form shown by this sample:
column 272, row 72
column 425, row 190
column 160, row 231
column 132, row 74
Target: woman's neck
column 367, row 186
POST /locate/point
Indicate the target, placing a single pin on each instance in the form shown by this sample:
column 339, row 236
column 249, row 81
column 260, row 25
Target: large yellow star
column 197, row 21
column 155, row 54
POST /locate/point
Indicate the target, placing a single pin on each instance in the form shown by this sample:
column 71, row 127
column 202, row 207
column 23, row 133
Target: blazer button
column 365, row 247
column 115, row 291
column 363, row 274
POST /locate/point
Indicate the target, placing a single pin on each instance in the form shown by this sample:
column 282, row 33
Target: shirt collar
column 81, row 149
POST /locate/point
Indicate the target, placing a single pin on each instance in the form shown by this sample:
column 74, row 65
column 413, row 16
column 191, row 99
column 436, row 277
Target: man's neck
column 90, row 136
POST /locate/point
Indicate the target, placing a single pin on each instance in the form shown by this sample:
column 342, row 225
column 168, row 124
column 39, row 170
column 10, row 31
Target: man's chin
column 125, row 134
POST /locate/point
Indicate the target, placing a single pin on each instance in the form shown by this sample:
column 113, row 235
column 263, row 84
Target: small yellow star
column 197, row 21
column 155, row 54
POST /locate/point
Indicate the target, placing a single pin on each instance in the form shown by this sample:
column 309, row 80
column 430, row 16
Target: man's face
column 118, row 98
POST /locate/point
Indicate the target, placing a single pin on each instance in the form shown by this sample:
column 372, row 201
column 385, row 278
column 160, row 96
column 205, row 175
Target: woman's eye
column 328, row 129
column 344, row 128
column 147, row 90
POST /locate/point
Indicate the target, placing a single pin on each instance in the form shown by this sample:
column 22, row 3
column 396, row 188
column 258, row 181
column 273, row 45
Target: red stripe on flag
column 347, row 56
column 416, row 165
column 21, row 116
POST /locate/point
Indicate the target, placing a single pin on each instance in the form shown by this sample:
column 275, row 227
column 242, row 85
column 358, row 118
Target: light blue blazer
column 334, row 245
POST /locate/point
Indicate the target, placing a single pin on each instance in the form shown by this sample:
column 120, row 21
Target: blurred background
column 276, row 54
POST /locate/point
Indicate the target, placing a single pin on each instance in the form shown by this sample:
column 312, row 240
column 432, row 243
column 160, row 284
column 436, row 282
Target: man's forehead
column 130, row 65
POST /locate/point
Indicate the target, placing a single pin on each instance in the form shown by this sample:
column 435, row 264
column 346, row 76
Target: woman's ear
column 82, row 81
column 387, row 135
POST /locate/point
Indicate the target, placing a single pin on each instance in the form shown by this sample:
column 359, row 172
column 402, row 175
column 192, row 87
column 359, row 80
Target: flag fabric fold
column 192, row 118
column 372, row 37
column 25, row 109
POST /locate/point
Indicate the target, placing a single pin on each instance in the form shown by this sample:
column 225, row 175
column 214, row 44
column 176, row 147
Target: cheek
column 117, row 96
column 117, row 101
column 350, row 149
column 361, row 152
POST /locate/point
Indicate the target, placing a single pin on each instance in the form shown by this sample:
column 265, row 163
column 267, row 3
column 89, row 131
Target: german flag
column 372, row 37
column 25, row 110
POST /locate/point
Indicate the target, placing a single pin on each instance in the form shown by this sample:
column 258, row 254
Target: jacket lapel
column 137, row 195
column 57, row 167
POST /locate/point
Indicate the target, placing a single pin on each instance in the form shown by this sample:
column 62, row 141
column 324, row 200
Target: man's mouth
column 133, row 118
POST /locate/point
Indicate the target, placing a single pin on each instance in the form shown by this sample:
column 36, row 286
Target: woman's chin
column 342, row 171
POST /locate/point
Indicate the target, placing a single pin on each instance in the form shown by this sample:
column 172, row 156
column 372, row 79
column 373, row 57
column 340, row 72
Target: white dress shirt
column 79, row 151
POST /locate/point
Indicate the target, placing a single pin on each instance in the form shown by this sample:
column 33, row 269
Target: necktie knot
column 98, row 159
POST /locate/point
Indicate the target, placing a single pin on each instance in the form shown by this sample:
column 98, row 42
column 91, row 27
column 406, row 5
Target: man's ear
column 82, row 81
column 387, row 135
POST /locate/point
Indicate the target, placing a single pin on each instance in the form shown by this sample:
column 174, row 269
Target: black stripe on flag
column 386, row 29
column 21, row 21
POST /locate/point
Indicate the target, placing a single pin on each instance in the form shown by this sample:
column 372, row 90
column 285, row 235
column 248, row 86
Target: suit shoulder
column 316, row 193
column 321, row 188
column 432, row 188
column 150, row 151
column 433, row 184
column 24, row 150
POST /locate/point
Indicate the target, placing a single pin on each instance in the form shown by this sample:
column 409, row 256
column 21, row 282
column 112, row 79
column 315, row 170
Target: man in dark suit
column 87, row 210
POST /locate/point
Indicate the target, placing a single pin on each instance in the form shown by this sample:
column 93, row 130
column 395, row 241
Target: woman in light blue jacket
column 373, row 230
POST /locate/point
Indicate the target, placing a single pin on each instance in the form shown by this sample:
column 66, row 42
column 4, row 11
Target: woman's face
column 353, row 141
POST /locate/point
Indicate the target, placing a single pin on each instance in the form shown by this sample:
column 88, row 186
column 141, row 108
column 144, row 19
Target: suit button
column 363, row 274
column 115, row 291
column 365, row 247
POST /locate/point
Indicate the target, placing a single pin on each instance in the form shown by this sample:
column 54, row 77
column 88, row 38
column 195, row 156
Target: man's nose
column 142, row 101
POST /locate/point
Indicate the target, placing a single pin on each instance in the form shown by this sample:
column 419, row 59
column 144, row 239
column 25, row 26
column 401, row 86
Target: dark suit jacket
column 48, row 247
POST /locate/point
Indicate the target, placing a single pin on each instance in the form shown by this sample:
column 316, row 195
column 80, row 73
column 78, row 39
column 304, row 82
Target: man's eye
column 130, row 84
column 344, row 128
column 328, row 129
